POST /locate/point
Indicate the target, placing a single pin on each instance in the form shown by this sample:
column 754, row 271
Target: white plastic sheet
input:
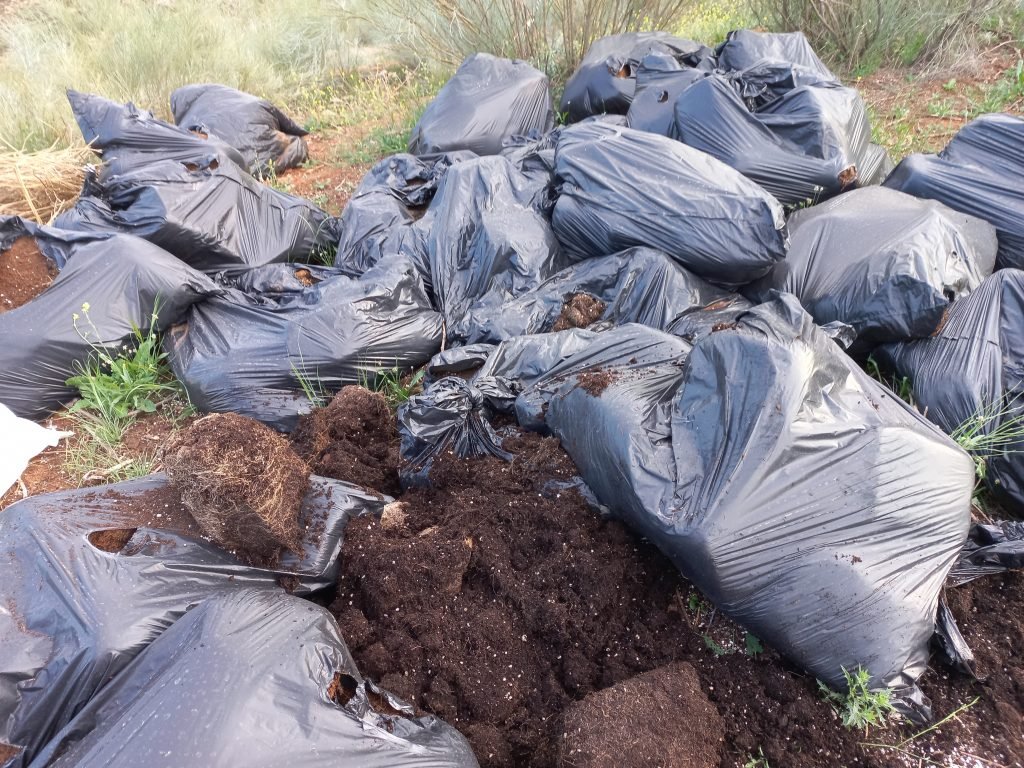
column 20, row 441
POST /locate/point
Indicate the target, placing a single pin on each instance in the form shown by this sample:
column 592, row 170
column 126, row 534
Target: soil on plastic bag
column 355, row 439
column 160, row 509
column 495, row 602
column 24, row 273
column 579, row 311
column 243, row 484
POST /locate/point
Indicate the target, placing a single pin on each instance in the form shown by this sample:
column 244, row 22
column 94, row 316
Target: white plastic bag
column 20, row 441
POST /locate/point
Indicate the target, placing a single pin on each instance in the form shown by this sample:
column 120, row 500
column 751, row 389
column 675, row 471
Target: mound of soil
column 579, row 311
column 660, row 719
column 495, row 604
column 355, row 439
column 242, row 483
column 595, row 382
column 24, row 273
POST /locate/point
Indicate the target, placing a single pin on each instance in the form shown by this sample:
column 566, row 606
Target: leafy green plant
column 1007, row 93
column 390, row 383
column 119, row 384
column 859, row 707
column 754, row 646
column 715, row 647
column 993, row 430
column 902, row 386
column 757, row 761
column 312, row 388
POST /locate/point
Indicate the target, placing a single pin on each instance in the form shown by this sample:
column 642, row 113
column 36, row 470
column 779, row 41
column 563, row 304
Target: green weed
column 312, row 388
column 754, row 646
column 993, row 430
column 859, row 707
column 1006, row 94
column 902, row 387
column 715, row 647
column 757, row 761
column 391, row 383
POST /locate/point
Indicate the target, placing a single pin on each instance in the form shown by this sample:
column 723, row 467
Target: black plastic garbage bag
column 392, row 195
column 127, row 137
column 450, row 415
column 977, row 174
column 109, row 286
column 268, row 140
column 990, row 548
column 534, row 157
column 487, row 100
column 237, row 354
column 605, row 80
column 767, row 65
column 94, row 575
column 639, row 285
column 798, row 158
column 805, row 500
column 277, row 282
column 252, row 678
column 483, row 235
column 212, row 215
column 885, row 263
column 969, row 377
column 622, row 187
column 660, row 80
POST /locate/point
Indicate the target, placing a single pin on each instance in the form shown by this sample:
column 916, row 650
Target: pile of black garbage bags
column 682, row 280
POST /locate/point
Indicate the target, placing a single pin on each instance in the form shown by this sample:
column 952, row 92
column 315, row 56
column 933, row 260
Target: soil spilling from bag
column 242, row 483
column 24, row 273
column 158, row 509
column 495, row 600
column 579, row 311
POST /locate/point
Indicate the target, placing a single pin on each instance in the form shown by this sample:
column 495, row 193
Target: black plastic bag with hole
column 252, row 678
column 393, row 195
column 621, row 188
column 487, row 100
column 639, row 285
column 450, row 415
column 267, row 139
column 970, row 377
column 127, row 284
column 605, row 80
column 805, row 500
column 977, row 173
column 883, row 262
column 76, row 614
column 272, row 360
column 660, row 80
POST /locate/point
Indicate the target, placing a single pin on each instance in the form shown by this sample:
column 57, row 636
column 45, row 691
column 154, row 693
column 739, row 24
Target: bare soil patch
column 24, row 274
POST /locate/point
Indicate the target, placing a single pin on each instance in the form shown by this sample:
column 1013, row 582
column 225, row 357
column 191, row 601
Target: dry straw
column 40, row 185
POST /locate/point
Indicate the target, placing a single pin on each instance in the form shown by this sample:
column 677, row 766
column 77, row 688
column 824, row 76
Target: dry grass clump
column 40, row 185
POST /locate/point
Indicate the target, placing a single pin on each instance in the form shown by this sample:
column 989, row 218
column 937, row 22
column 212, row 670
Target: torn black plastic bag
column 887, row 264
column 212, row 215
column 639, row 285
column 487, row 100
column 660, row 80
column 805, row 500
column 267, row 139
column 767, row 65
column 450, row 415
column 252, row 678
column 76, row 614
column 977, row 173
column 239, row 354
column 990, row 548
column 798, row 158
column 128, row 137
column 392, row 195
column 970, row 375
column 621, row 187
column 605, row 80
column 484, row 236
column 109, row 286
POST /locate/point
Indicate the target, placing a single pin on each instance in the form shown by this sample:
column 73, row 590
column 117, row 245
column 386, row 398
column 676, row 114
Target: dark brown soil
column 596, row 382
column 24, row 273
column 353, row 439
column 160, row 509
column 242, row 483
column 660, row 719
column 579, row 311
column 496, row 605
column 7, row 752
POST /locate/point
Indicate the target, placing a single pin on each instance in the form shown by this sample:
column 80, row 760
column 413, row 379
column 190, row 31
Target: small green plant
column 901, row 387
column 754, row 646
column 390, row 384
column 715, row 647
column 312, row 388
column 859, row 707
column 993, row 430
column 118, row 385
column 757, row 761
column 1007, row 94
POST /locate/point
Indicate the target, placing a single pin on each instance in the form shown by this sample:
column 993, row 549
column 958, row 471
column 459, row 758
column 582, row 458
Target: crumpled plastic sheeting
column 888, row 264
column 124, row 280
column 76, row 615
column 241, row 354
column 977, row 173
column 808, row 503
column 266, row 666
column 487, row 100
column 21, row 440
column 640, row 285
column 622, row 187
column 972, row 370
column 267, row 139
column 605, row 80
column 768, row 65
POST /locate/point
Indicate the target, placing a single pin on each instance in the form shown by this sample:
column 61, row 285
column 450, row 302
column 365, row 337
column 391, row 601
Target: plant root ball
column 659, row 718
column 242, row 483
